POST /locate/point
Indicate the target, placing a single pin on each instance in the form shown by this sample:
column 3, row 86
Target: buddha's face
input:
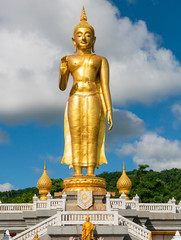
column 87, row 219
column 83, row 38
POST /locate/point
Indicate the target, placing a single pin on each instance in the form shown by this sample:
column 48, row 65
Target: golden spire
column 36, row 237
column 44, row 184
column 83, row 15
column 124, row 184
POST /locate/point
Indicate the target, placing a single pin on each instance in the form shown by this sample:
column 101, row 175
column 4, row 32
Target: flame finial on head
column 83, row 15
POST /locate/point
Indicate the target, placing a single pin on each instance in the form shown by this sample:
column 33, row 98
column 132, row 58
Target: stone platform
column 106, row 232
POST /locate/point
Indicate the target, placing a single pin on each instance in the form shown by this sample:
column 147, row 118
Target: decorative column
column 173, row 205
column 108, row 203
column 35, row 199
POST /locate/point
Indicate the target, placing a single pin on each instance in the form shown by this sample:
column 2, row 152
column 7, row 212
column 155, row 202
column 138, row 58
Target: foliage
column 18, row 196
column 151, row 186
column 57, row 185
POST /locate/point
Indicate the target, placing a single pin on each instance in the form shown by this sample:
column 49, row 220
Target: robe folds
column 84, row 126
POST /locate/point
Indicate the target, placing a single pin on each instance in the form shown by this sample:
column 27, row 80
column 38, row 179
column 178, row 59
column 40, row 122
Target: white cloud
column 4, row 137
column 176, row 109
column 6, row 187
column 160, row 153
column 37, row 170
column 32, row 43
column 51, row 158
column 125, row 124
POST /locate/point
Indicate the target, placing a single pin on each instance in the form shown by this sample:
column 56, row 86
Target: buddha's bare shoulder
column 101, row 58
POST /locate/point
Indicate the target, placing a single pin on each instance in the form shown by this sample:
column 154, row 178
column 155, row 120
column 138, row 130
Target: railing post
column 116, row 218
column 179, row 207
column 123, row 198
column 59, row 216
column 173, row 205
column 136, row 199
column 49, row 200
column 108, row 203
column 64, row 196
column 35, row 199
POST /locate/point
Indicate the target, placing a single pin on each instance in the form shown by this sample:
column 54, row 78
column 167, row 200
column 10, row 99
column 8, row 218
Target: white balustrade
column 41, row 228
column 16, row 207
column 41, row 204
column 156, row 207
column 121, row 203
column 37, row 204
column 96, row 217
column 134, row 229
column 54, row 203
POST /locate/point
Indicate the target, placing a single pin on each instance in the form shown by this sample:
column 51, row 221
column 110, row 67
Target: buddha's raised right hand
column 64, row 65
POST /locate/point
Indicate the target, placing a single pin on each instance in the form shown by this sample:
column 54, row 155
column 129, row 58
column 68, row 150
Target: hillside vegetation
column 151, row 186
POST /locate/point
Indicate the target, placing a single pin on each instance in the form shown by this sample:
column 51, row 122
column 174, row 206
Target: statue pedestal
column 73, row 185
column 84, row 183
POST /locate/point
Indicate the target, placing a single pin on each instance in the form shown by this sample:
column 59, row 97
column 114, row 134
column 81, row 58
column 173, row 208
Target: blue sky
column 140, row 39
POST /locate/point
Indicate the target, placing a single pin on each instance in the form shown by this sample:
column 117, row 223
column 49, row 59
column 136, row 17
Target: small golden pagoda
column 36, row 237
column 124, row 184
column 44, row 185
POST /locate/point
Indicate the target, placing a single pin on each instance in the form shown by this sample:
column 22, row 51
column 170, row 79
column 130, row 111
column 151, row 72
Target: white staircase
column 72, row 218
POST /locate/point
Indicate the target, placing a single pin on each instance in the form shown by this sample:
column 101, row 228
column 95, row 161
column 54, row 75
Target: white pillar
column 136, row 198
column 35, row 199
column 123, row 198
column 49, row 200
column 173, row 205
column 64, row 196
column 108, row 203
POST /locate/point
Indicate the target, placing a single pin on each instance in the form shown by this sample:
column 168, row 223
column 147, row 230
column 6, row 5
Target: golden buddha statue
column 84, row 123
column 36, row 237
column 87, row 230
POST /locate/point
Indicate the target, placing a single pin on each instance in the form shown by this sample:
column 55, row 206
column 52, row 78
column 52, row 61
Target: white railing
column 41, row 205
column 156, row 207
column 41, row 228
column 96, row 217
column 134, row 229
column 18, row 207
column 122, row 203
column 54, row 203
column 37, row 204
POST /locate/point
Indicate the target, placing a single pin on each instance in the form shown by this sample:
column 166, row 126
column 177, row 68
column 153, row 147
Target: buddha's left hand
column 109, row 119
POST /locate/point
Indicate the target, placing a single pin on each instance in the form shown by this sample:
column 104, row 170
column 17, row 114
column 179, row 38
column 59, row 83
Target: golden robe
column 87, row 233
column 70, row 114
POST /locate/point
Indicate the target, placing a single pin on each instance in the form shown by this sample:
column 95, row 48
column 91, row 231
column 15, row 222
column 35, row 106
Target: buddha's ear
column 93, row 44
column 73, row 40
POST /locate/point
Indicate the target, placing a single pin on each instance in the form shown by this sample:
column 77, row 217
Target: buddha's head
column 87, row 218
column 84, row 34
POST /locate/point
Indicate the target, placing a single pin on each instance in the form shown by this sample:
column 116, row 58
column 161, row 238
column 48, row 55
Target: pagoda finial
column 124, row 183
column 123, row 166
column 45, row 166
column 83, row 15
column 44, row 184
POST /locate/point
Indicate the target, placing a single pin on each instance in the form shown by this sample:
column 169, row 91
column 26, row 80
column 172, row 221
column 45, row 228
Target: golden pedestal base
column 84, row 183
